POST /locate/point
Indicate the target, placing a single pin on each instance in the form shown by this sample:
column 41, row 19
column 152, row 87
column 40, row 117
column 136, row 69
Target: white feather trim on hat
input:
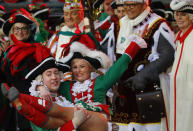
column 177, row 5
column 85, row 51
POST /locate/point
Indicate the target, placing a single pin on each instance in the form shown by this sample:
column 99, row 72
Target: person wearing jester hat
column 39, row 111
column 73, row 18
column 181, row 74
column 150, row 65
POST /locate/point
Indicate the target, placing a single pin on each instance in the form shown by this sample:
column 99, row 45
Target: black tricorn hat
column 16, row 17
column 46, row 64
column 4, row 18
column 42, row 14
column 97, row 3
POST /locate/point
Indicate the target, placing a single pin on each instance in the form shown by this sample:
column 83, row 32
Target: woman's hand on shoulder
column 44, row 93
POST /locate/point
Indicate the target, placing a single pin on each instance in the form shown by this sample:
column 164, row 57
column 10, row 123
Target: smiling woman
column 181, row 75
column 183, row 20
column 44, row 73
column 21, row 31
column 20, row 25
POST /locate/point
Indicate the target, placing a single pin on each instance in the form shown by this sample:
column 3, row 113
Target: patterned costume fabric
column 161, row 56
column 94, row 91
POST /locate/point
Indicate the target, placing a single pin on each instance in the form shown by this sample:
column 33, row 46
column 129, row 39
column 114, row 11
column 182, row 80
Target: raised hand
column 138, row 40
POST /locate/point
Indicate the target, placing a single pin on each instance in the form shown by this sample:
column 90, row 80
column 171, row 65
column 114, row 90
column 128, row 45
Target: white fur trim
column 169, row 36
column 62, row 101
column 176, row 5
column 85, row 51
column 63, row 39
column 138, row 40
column 32, row 89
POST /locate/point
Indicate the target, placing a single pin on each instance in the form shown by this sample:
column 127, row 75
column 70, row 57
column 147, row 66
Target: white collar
column 140, row 18
column 79, row 87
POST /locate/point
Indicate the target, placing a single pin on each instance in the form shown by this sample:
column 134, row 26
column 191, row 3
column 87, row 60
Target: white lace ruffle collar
column 32, row 89
column 79, row 87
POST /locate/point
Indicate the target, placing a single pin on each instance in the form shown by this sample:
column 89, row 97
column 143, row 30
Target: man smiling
column 73, row 14
column 146, row 68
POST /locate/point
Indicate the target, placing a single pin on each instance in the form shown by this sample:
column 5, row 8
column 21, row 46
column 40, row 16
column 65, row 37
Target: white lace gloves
column 80, row 115
column 136, row 42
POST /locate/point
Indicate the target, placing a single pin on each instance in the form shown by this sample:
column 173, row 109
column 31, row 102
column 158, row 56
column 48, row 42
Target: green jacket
column 102, row 83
